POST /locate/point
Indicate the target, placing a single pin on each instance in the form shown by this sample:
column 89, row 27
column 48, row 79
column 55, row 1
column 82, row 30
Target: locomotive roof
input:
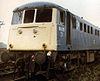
column 38, row 5
column 33, row 5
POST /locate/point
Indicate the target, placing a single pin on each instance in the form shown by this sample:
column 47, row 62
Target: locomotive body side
column 85, row 40
column 79, row 40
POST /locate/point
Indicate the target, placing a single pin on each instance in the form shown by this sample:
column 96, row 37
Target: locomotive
column 51, row 37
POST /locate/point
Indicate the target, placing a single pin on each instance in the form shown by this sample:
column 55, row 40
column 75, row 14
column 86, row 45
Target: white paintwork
column 28, row 40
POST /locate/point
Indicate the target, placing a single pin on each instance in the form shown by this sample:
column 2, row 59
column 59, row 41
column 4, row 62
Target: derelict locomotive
column 52, row 37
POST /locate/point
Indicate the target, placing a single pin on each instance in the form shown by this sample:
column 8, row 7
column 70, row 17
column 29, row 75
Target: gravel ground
column 6, row 78
column 88, row 72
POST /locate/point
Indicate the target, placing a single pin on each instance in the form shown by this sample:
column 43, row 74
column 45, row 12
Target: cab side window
column 74, row 22
column 85, row 29
column 81, row 26
column 62, row 18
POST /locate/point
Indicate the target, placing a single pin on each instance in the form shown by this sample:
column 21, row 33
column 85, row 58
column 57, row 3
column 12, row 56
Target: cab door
column 68, row 28
column 61, row 29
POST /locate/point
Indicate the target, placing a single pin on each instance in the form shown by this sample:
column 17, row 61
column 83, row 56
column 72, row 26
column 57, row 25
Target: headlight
column 34, row 31
column 20, row 31
column 10, row 45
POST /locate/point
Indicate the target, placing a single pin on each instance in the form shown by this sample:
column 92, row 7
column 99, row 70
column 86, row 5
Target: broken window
column 44, row 15
column 84, row 27
column 29, row 16
column 81, row 27
column 62, row 17
column 74, row 22
column 17, row 17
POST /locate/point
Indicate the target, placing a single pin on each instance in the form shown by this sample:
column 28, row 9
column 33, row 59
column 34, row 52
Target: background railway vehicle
column 4, row 54
column 49, row 37
column 6, row 61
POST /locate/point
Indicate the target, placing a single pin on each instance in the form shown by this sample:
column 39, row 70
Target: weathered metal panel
column 82, row 40
column 38, row 5
column 28, row 40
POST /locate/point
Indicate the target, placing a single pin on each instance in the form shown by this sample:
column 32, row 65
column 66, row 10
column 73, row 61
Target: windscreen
column 17, row 17
column 29, row 16
column 44, row 15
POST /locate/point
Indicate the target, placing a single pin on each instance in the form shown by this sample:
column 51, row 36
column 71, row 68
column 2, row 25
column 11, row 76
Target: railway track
column 9, row 76
column 7, row 72
column 6, row 68
column 92, row 69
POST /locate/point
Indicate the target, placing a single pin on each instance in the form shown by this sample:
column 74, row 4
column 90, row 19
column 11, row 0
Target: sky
column 88, row 9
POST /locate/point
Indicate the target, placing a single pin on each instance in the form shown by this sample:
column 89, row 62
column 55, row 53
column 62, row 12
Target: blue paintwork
column 38, row 5
column 81, row 40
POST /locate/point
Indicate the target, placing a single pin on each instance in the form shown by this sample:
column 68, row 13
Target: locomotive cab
column 32, row 29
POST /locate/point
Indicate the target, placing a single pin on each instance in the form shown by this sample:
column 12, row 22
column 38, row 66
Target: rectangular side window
column 74, row 22
column 88, row 29
column 62, row 18
column 91, row 30
column 95, row 31
column 81, row 27
column 84, row 27
column 98, row 32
